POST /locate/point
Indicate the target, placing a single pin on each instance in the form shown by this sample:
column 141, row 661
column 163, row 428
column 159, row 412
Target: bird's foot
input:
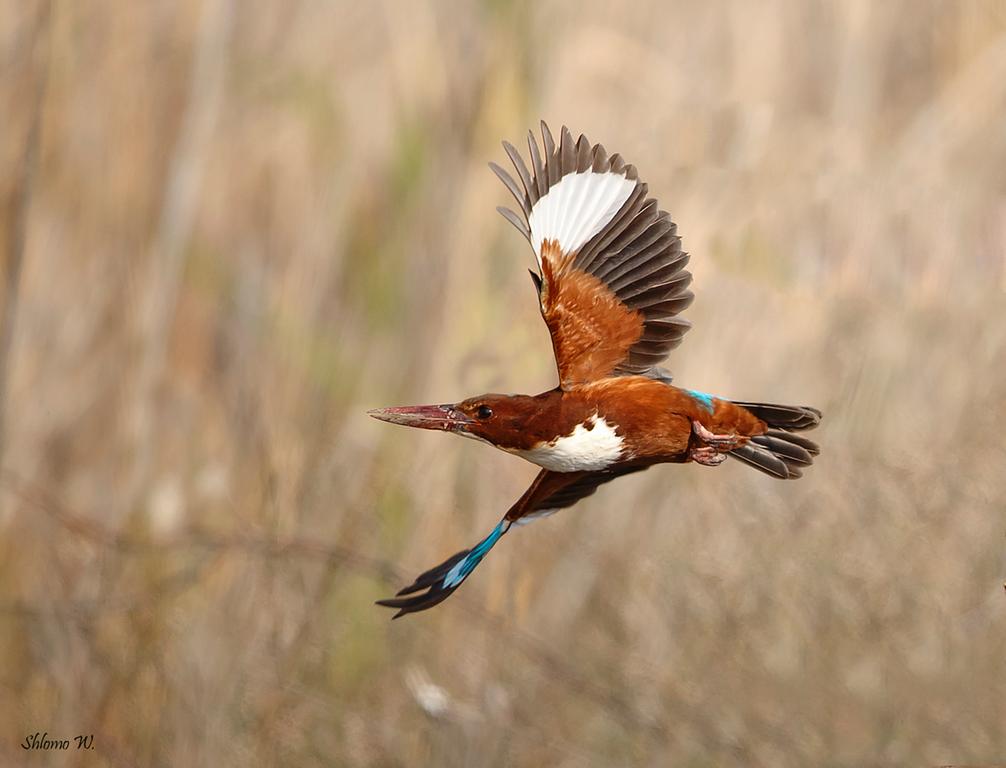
column 707, row 456
column 721, row 443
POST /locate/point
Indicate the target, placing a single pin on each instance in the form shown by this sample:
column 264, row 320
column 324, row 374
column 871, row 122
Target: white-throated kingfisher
column 611, row 284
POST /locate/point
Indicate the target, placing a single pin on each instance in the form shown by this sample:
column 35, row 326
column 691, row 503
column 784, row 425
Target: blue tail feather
column 441, row 581
column 460, row 572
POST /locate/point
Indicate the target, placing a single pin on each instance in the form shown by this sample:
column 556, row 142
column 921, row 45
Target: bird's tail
column 441, row 581
column 779, row 452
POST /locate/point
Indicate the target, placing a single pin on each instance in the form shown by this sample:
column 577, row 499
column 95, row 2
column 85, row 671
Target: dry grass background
column 244, row 223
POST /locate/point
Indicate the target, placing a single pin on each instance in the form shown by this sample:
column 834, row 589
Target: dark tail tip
column 778, row 453
column 406, row 601
column 792, row 418
column 440, row 581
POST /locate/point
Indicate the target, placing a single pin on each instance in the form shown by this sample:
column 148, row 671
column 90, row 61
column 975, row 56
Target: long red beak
column 446, row 417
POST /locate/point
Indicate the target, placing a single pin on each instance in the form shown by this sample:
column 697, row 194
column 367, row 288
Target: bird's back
column 654, row 418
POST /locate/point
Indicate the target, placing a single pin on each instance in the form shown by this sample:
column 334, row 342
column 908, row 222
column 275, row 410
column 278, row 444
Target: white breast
column 589, row 447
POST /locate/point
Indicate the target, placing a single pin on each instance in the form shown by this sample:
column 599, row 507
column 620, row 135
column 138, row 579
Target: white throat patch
column 589, row 447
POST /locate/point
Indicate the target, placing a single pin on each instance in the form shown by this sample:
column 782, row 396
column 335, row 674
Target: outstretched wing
column 550, row 492
column 612, row 273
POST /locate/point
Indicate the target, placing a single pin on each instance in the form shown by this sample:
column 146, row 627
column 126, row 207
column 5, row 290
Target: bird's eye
column 484, row 412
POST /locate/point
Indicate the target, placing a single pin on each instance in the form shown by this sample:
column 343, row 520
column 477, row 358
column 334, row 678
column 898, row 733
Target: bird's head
column 510, row 422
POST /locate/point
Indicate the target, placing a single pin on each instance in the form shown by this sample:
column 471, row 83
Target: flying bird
column 611, row 284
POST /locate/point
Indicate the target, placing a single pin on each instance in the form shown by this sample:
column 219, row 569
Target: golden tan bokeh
column 230, row 228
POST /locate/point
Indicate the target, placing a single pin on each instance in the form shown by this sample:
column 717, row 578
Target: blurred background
column 229, row 228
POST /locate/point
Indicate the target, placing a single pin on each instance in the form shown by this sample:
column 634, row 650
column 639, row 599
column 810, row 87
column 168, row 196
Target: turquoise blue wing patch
column 702, row 397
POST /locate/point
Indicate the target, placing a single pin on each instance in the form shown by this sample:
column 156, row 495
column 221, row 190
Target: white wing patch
column 535, row 516
column 578, row 207
column 589, row 447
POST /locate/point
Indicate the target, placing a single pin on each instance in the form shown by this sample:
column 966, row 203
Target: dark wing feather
column 552, row 491
column 549, row 492
column 611, row 295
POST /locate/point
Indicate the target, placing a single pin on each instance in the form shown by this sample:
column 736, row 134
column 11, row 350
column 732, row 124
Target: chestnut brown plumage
column 611, row 284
